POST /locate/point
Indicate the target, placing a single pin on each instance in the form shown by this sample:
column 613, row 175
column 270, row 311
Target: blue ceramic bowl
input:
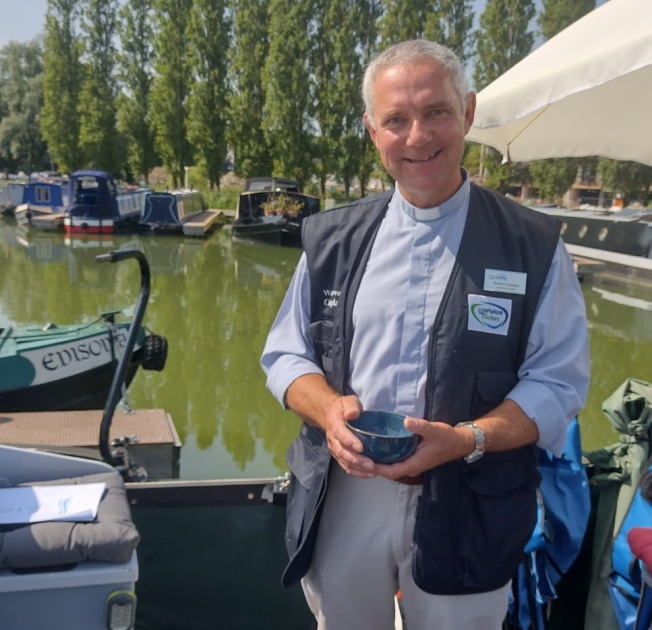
column 383, row 436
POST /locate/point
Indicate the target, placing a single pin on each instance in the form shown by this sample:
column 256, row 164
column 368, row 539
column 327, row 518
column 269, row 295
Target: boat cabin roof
column 277, row 184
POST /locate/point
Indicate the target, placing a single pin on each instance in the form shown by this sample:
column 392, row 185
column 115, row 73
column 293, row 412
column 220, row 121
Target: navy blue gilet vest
column 473, row 519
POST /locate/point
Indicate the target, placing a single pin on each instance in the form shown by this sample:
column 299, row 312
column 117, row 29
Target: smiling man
column 449, row 304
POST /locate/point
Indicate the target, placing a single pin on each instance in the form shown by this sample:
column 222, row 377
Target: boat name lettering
column 96, row 347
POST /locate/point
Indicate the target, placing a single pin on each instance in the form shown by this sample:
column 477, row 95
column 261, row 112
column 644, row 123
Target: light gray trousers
column 363, row 556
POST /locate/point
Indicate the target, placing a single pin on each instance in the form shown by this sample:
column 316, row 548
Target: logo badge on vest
column 489, row 314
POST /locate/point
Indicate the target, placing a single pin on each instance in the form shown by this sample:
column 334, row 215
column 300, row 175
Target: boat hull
column 69, row 367
column 87, row 390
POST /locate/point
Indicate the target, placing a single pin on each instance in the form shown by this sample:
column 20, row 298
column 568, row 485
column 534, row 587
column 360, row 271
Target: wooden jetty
column 157, row 448
column 201, row 224
column 50, row 222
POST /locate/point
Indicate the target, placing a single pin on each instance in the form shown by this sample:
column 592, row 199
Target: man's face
column 419, row 129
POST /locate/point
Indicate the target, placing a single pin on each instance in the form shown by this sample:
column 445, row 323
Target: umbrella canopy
column 586, row 91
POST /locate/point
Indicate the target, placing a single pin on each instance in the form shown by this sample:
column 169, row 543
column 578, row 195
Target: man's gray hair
column 412, row 51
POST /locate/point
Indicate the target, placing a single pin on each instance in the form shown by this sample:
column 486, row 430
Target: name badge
column 489, row 314
column 505, row 281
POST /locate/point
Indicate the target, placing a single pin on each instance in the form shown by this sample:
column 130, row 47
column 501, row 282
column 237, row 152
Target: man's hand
column 440, row 443
column 344, row 446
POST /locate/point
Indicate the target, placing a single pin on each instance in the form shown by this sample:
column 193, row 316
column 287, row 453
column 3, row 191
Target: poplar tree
column 209, row 33
column 252, row 156
column 21, row 99
column 97, row 99
column 502, row 41
column 450, row 22
column 135, row 72
column 556, row 15
column 337, row 66
column 369, row 12
column 171, row 86
column 503, row 38
column 62, row 80
column 401, row 20
column 286, row 84
column 553, row 177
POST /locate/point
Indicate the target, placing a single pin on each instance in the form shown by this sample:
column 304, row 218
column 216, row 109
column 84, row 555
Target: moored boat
column 271, row 210
column 42, row 199
column 98, row 206
column 621, row 239
column 61, row 367
column 11, row 196
column 177, row 211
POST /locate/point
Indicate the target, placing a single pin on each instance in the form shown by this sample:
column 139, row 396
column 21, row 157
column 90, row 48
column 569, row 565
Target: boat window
column 564, row 226
column 583, row 230
column 602, row 234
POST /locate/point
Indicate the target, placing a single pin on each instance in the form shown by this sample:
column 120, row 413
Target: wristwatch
column 478, row 451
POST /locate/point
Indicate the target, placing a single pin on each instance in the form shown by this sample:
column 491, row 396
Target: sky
column 23, row 20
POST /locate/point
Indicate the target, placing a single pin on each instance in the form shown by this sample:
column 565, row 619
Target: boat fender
column 155, row 352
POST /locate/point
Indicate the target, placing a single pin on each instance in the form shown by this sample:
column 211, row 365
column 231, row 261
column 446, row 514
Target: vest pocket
column 321, row 333
column 473, row 523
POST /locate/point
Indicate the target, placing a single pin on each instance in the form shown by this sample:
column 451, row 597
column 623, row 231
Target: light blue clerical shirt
column 402, row 287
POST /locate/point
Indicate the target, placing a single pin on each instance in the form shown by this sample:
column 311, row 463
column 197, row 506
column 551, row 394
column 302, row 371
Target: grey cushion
column 111, row 537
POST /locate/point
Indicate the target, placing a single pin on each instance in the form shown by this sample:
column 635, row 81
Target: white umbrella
column 586, row 91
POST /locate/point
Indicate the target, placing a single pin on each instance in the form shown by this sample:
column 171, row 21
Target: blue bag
column 564, row 509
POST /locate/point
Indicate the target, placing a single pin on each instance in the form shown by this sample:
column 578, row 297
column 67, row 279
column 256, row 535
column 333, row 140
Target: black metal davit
column 118, row 458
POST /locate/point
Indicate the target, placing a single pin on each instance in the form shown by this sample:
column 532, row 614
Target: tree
column 286, row 84
column 631, row 179
column 450, row 22
column 62, row 80
column 135, row 73
column 250, row 48
column 558, row 14
column 401, row 20
column 209, row 31
column 503, row 38
column 366, row 156
column 97, row 99
column 502, row 41
column 337, row 66
column 552, row 178
column 171, row 86
column 21, row 94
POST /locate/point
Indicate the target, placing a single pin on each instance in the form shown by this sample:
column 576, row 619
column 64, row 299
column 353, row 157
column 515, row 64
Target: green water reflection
column 214, row 300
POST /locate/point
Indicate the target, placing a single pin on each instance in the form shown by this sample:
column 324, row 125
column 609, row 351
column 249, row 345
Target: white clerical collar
column 460, row 197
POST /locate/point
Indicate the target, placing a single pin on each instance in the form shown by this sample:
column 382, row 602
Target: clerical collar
column 430, row 214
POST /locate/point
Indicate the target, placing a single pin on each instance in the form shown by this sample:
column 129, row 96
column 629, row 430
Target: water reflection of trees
column 621, row 346
column 218, row 311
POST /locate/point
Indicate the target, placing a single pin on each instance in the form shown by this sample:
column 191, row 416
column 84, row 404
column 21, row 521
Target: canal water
column 214, row 300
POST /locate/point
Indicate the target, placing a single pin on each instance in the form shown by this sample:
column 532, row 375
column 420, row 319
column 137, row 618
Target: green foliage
column 338, row 106
column 450, row 22
column 135, row 72
column 62, row 80
column 503, row 38
column 630, row 179
column 286, row 84
column 208, row 34
column 402, row 19
column 552, row 178
column 21, row 99
column 171, row 85
column 247, row 57
column 558, row 14
column 97, row 107
column 226, row 198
